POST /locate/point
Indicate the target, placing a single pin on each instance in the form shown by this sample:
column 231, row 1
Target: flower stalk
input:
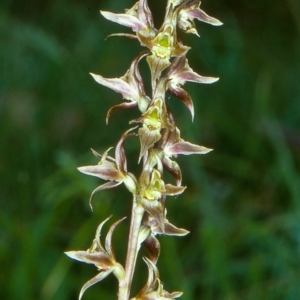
column 160, row 143
column 133, row 247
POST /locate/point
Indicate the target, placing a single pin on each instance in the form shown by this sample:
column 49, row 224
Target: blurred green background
column 242, row 204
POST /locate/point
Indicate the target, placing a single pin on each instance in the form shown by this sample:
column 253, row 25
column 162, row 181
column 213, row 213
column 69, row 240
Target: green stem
column 132, row 250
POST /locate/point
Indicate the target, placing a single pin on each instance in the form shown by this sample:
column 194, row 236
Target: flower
column 155, row 188
column 130, row 85
column 153, row 290
column 171, row 145
column 165, row 45
column 178, row 74
column 175, row 145
column 102, row 257
column 139, row 19
column 152, row 192
column 162, row 43
column 190, row 11
column 113, row 170
column 151, row 243
column 153, row 120
column 169, row 229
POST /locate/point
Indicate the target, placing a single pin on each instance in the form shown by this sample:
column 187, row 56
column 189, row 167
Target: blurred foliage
column 242, row 204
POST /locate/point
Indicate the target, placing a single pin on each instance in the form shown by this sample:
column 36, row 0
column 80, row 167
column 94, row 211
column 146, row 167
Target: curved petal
column 108, row 245
column 94, row 280
column 99, row 259
column 105, row 186
column 145, row 14
column 136, row 78
column 174, row 190
column 123, row 19
column 183, row 96
column 180, row 72
column 105, row 170
column 124, row 105
column 152, row 275
column 98, row 234
column 130, row 36
column 98, row 155
column 172, row 295
column 200, row 15
column 173, row 167
column 103, row 156
column 171, row 229
column 116, row 84
column 185, row 148
column 120, row 153
column 192, row 76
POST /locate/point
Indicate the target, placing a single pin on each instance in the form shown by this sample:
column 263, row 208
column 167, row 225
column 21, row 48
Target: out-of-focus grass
column 242, row 202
